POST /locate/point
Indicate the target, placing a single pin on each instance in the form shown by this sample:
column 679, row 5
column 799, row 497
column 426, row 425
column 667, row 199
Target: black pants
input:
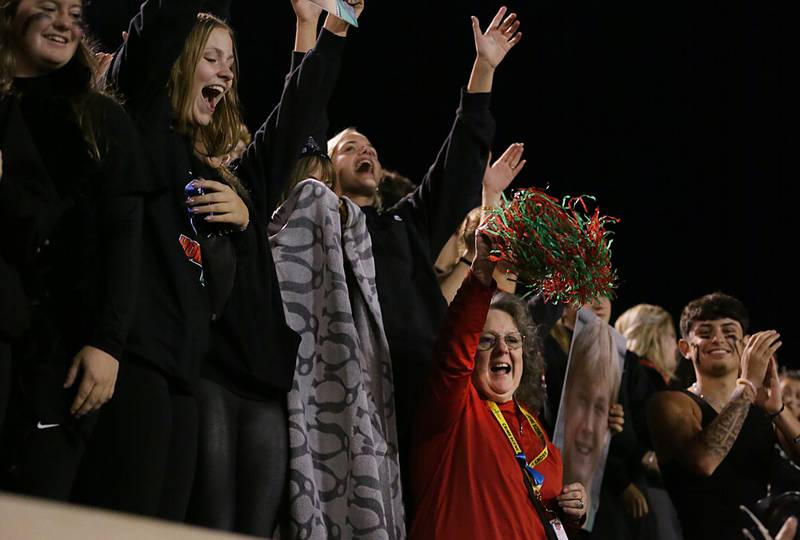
column 242, row 461
column 45, row 443
column 142, row 456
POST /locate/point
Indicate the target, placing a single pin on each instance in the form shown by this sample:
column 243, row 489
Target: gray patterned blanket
column 344, row 479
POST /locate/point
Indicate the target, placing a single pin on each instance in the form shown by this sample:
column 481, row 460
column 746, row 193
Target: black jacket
column 407, row 238
column 84, row 226
column 253, row 351
column 173, row 330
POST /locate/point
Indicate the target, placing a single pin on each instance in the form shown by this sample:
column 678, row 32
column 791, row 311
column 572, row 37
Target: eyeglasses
column 487, row 341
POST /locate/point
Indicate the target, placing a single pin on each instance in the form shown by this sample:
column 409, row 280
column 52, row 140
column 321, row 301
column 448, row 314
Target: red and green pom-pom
column 559, row 248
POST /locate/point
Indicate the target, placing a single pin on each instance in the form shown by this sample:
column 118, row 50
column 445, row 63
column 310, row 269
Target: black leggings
column 142, row 456
column 242, row 461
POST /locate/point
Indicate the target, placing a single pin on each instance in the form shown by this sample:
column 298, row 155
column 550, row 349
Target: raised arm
column 452, row 186
column 491, row 48
column 496, row 179
column 301, row 112
column 675, row 419
column 457, row 344
column 155, row 38
column 787, row 426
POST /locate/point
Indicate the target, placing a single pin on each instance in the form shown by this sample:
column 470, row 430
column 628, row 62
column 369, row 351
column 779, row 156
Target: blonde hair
column 643, row 326
column 594, row 357
column 334, row 141
column 223, row 132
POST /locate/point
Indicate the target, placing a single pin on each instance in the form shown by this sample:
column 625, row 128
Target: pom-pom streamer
column 561, row 249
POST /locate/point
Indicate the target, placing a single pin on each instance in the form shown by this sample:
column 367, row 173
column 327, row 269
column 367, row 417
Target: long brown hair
column 221, row 135
column 85, row 65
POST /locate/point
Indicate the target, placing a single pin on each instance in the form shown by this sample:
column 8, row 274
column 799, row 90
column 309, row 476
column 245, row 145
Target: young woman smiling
column 210, row 345
column 81, row 280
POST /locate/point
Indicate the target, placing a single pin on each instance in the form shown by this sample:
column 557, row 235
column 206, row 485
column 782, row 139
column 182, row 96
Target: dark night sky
column 671, row 113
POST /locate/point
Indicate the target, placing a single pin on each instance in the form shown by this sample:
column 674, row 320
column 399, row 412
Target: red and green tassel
column 559, row 248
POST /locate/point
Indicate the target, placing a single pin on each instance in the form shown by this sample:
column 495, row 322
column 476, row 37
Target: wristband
column 773, row 416
column 465, row 261
column 748, row 384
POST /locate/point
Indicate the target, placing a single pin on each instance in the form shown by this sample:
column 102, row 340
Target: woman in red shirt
column 475, row 422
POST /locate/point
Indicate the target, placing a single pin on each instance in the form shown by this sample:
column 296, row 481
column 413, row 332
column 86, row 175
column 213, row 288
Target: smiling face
column 48, row 33
column 498, row 370
column 586, row 428
column 358, row 169
column 713, row 346
column 213, row 77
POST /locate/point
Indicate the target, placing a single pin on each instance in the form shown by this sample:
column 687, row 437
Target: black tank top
column 708, row 507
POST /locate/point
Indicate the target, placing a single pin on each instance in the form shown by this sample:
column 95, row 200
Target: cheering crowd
column 272, row 334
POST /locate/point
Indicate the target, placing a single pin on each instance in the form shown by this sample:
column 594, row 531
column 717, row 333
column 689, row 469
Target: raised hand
column 306, row 11
column 758, row 351
column 501, row 173
column 338, row 26
column 221, row 200
column 501, row 35
column 769, row 396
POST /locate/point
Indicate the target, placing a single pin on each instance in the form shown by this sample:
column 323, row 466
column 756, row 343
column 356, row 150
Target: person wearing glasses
column 483, row 466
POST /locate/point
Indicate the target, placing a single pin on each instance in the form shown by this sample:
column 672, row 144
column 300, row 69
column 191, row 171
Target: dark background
column 674, row 114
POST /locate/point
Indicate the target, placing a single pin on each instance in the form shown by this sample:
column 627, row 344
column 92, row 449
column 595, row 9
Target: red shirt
column 466, row 482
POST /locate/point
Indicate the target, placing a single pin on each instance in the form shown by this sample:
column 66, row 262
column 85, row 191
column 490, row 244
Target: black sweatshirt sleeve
column 119, row 221
column 121, row 238
column 452, row 186
column 156, row 37
column 302, row 112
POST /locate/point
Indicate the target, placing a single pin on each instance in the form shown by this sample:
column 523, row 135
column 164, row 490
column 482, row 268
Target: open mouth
column 501, row 367
column 213, row 94
column 365, row 166
column 55, row 38
column 583, row 449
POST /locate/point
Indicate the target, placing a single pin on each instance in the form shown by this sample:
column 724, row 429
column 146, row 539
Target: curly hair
column 712, row 307
column 531, row 389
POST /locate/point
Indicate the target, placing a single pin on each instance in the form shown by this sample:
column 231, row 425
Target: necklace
column 695, row 389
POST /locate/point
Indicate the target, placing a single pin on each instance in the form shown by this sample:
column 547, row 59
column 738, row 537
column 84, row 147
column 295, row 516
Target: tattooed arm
column 675, row 424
